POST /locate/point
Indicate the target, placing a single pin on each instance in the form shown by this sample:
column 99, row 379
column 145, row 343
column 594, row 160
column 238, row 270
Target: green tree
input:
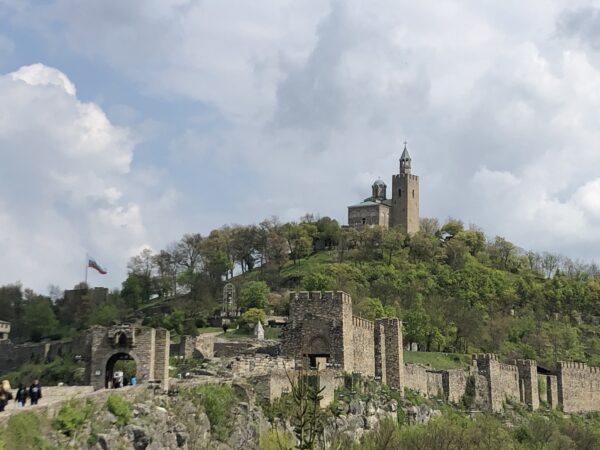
column 39, row 318
column 254, row 295
column 251, row 317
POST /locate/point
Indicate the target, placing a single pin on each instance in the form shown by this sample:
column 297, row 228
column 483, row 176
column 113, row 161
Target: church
column 401, row 210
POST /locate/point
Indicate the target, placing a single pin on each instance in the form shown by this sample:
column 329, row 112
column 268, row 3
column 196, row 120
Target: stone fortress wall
column 321, row 325
column 323, row 332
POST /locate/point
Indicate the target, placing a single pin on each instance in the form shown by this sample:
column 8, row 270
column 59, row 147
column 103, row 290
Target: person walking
column 21, row 396
column 3, row 400
column 7, row 391
column 35, row 392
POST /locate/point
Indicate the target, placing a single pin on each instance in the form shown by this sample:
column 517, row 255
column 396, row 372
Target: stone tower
column 405, row 197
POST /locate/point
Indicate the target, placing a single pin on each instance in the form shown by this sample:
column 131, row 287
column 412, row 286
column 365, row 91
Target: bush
column 120, row 408
column 217, row 401
column 251, row 317
column 71, row 417
column 23, row 431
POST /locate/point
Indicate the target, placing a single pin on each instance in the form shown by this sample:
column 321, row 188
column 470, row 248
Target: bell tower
column 405, row 197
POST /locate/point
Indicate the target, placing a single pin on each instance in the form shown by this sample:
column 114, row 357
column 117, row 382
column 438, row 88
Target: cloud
column 63, row 183
column 498, row 102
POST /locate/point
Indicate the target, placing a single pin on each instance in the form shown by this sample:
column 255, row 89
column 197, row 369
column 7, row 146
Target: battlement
column 318, row 296
column 508, row 367
column 485, row 357
column 409, row 176
column 578, row 366
column 362, row 323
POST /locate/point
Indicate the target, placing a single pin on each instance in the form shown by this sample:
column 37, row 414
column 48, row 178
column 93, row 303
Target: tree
column 254, row 295
column 142, row 268
column 39, row 318
column 278, row 249
column 318, row 281
column 299, row 238
column 429, row 226
column 392, row 242
column 502, row 253
column 251, row 317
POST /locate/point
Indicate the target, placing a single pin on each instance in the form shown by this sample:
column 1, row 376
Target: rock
column 371, row 423
column 109, row 417
column 393, row 405
column 356, row 407
column 138, row 437
column 370, row 410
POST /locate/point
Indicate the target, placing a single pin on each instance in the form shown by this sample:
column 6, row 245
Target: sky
column 125, row 124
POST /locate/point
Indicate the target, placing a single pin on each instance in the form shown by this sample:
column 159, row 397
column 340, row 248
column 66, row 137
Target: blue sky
column 124, row 124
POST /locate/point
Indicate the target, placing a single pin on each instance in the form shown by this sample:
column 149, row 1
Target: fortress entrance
column 318, row 351
column 132, row 350
column 120, row 368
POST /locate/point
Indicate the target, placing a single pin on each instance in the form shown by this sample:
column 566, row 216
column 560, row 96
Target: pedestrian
column 3, row 400
column 7, row 391
column 35, row 392
column 21, row 397
column 133, row 380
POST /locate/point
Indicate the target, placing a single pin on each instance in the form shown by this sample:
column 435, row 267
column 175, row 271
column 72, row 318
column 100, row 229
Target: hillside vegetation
column 456, row 290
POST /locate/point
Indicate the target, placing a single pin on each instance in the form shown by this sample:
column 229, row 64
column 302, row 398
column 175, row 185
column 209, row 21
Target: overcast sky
column 126, row 123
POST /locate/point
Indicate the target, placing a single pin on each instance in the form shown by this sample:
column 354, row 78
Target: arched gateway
column 148, row 347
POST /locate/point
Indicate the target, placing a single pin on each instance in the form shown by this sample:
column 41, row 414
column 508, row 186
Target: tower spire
column 405, row 160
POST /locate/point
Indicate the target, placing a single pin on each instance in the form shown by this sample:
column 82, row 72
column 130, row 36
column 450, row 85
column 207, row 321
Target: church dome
column 379, row 182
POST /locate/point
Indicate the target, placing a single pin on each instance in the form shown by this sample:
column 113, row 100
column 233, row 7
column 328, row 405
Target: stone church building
column 401, row 210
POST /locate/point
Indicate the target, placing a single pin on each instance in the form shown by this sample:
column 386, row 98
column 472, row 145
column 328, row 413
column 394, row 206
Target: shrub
column 120, row 408
column 23, row 430
column 71, row 417
column 251, row 317
column 217, row 401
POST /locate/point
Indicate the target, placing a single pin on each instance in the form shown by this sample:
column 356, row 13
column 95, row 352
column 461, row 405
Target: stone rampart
column 394, row 355
column 363, row 344
column 415, row 378
column 261, row 365
column 578, row 387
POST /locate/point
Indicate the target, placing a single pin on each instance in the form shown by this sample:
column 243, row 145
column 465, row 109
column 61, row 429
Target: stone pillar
column 394, row 356
column 161, row 357
column 528, row 381
column 380, row 358
column 489, row 367
column 552, row 391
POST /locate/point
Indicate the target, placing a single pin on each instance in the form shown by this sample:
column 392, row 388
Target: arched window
column 399, row 192
column 413, row 193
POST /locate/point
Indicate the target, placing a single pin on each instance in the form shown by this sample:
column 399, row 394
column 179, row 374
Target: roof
column 405, row 155
column 379, row 182
column 369, row 203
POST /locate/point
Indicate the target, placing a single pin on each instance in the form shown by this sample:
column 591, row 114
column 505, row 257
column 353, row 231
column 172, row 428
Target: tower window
column 364, row 220
column 399, row 192
column 413, row 193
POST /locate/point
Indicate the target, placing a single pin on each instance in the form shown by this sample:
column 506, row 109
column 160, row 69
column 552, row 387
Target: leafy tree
column 254, row 295
column 251, row 317
column 318, row 281
column 39, row 318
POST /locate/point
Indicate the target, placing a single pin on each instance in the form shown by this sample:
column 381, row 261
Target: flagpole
column 87, row 263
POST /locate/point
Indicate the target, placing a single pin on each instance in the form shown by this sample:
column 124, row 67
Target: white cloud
column 62, row 183
column 498, row 102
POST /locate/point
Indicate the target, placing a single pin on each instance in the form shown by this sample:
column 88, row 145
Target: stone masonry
column 148, row 347
column 322, row 326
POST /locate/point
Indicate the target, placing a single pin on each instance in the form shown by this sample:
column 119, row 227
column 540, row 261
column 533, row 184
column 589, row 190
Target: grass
column 436, row 360
column 307, row 265
column 210, row 330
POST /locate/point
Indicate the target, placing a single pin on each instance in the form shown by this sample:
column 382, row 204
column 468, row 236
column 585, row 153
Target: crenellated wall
column 578, row 387
column 321, row 325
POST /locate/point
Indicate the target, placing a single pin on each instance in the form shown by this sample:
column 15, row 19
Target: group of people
column 33, row 393
column 119, row 380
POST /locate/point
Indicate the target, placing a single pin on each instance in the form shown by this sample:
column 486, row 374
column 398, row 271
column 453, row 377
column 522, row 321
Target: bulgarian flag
column 94, row 265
